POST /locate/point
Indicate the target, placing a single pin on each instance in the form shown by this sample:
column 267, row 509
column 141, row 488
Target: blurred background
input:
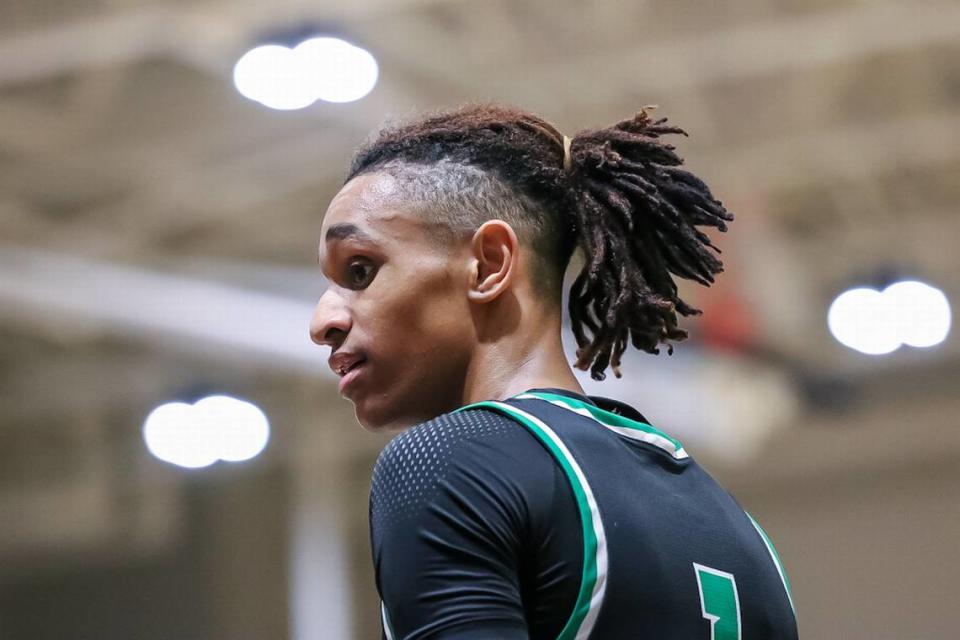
column 175, row 462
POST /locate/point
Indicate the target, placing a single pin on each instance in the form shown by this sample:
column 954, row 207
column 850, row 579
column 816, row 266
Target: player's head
column 457, row 229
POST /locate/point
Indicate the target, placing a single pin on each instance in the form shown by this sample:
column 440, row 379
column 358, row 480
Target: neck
column 523, row 360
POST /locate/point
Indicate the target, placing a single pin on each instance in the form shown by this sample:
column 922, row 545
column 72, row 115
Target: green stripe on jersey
column 633, row 429
column 594, row 579
column 776, row 560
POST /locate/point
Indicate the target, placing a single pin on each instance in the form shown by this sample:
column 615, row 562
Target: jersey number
column 719, row 602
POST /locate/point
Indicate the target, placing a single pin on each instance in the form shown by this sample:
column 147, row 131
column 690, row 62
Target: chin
column 384, row 417
column 380, row 419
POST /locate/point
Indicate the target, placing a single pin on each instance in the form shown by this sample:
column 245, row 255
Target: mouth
column 349, row 374
column 347, row 365
column 344, row 369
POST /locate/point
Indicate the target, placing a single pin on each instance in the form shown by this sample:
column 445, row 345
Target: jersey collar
column 614, row 406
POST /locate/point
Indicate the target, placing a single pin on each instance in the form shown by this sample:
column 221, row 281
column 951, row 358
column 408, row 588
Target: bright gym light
column 877, row 322
column 214, row 428
column 320, row 68
column 922, row 312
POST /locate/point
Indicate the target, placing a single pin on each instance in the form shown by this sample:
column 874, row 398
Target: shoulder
column 448, row 437
column 472, row 451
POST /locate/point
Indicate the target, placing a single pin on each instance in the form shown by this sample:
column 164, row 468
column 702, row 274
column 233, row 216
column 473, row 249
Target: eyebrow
column 346, row 230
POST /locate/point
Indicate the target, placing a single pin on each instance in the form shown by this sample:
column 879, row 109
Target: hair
column 624, row 200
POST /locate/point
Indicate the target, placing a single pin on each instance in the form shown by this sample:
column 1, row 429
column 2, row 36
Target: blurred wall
column 874, row 556
column 864, row 508
column 225, row 577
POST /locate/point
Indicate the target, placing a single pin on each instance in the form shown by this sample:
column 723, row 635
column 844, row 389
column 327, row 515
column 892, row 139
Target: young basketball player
column 513, row 505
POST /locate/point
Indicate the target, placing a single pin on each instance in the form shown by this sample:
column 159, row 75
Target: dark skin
column 438, row 324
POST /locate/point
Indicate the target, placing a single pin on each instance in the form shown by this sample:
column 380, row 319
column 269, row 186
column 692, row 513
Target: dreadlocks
column 624, row 201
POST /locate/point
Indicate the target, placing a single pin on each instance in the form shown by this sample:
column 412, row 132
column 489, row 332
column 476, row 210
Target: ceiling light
column 214, row 428
column 321, row 68
column 879, row 322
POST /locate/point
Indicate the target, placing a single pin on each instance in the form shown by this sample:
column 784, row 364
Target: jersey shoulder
column 452, row 451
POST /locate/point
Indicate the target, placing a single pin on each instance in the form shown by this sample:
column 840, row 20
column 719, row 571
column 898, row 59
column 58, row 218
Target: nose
column 331, row 321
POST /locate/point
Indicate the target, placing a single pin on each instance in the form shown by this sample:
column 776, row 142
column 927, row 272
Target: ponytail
column 636, row 213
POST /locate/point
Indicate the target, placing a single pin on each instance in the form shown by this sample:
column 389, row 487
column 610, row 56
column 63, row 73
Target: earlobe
column 494, row 252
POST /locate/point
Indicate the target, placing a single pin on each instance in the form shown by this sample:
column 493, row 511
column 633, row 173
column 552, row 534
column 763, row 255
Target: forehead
column 369, row 205
column 374, row 209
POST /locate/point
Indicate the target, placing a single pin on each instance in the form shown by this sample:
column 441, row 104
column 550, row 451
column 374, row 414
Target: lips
column 347, row 366
column 342, row 363
column 349, row 377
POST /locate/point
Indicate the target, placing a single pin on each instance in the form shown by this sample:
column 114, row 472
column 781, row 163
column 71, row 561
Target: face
column 396, row 304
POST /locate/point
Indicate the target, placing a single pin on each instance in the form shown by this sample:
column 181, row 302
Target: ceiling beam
column 853, row 152
column 676, row 64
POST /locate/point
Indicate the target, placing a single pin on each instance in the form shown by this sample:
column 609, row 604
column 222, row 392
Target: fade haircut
column 624, row 200
column 454, row 198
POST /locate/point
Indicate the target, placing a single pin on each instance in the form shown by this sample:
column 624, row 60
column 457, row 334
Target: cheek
column 422, row 320
column 421, row 337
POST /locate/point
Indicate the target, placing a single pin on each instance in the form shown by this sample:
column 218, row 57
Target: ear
column 493, row 260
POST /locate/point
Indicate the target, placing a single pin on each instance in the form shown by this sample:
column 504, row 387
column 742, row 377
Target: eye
column 360, row 273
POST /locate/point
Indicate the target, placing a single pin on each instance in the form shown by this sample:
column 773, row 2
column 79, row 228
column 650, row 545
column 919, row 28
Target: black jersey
column 553, row 515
